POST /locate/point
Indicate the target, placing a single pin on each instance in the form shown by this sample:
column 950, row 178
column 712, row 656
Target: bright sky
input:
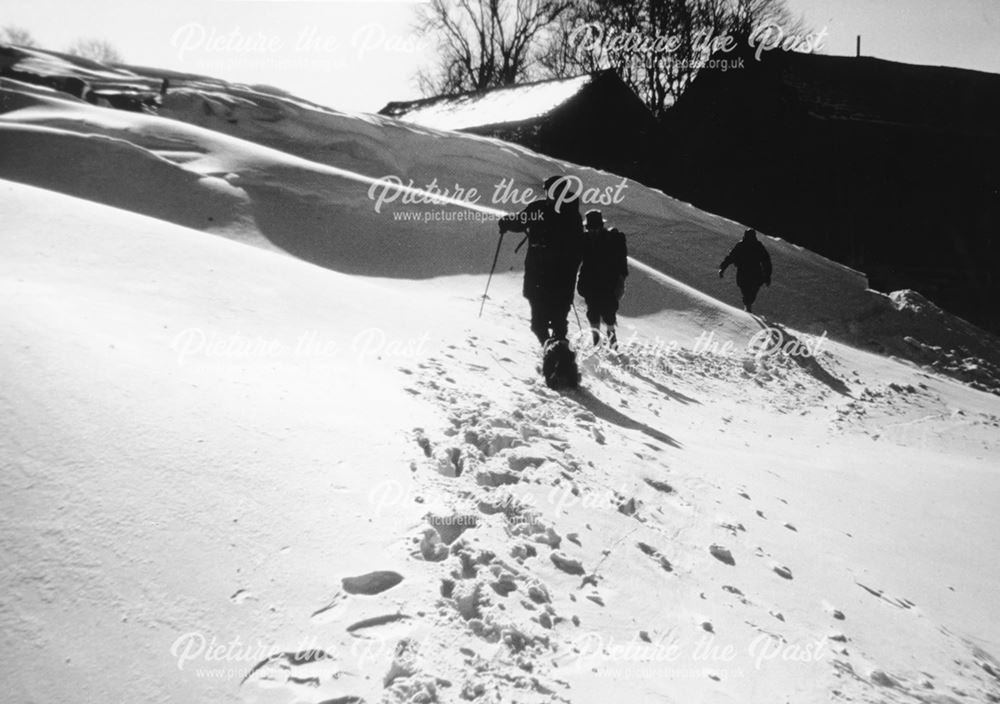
column 963, row 33
column 360, row 54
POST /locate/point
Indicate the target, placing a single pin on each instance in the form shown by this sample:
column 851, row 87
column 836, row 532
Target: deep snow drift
column 255, row 189
column 232, row 475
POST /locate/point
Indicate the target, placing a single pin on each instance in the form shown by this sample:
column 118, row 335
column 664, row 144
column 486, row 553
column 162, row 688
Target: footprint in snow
column 371, row 583
column 450, row 527
column 836, row 613
column 656, row 555
column 450, row 462
column 722, row 554
column 782, row 571
column 566, row 564
column 629, row 507
column 898, row 603
column 536, row 531
column 883, row 679
column 497, row 477
column 376, row 621
column 430, row 546
column 422, row 441
column 659, row 485
column 733, row 528
column 520, row 460
column 241, row 595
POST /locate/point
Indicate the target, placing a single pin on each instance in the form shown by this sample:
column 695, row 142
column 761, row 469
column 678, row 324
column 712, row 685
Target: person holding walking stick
column 553, row 230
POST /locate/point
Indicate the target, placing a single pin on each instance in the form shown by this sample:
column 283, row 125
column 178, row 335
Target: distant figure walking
column 602, row 275
column 753, row 267
column 554, row 232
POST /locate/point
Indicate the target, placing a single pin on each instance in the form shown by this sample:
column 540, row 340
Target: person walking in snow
column 602, row 275
column 554, row 232
column 753, row 267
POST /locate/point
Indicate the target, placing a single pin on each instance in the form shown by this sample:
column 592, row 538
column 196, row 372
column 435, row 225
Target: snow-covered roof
column 51, row 63
column 497, row 106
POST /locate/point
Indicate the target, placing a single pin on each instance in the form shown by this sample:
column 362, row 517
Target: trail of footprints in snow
column 487, row 440
column 491, row 452
column 724, row 555
column 506, row 434
column 484, row 591
column 473, row 573
column 837, row 638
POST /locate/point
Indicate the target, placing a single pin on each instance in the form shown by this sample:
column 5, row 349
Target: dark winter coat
column 604, row 266
column 554, row 249
column 752, row 262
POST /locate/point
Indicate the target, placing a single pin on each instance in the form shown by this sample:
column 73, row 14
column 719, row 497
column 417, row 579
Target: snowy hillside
column 231, row 474
column 297, row 177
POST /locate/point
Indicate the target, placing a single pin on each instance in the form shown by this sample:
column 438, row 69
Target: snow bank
column 320, row 206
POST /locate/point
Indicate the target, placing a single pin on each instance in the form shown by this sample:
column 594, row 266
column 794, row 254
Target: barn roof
column 527, row 101
column 859, row 90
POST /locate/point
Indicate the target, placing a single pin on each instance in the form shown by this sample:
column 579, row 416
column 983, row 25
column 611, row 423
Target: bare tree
column 485, row 43
column 560, row 56
column 96, row 50
column 18, row 36
column 747, row 17
column 658, row 46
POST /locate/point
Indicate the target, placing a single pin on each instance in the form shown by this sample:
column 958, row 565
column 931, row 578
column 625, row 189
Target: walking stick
column 490, row 278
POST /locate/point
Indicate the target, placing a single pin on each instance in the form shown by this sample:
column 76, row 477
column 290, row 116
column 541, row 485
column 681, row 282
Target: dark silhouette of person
column 602, row 275
column 554, row 232
column 753, row 267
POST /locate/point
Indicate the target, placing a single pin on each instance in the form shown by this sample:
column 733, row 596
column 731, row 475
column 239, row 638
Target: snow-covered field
column 257, row 446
